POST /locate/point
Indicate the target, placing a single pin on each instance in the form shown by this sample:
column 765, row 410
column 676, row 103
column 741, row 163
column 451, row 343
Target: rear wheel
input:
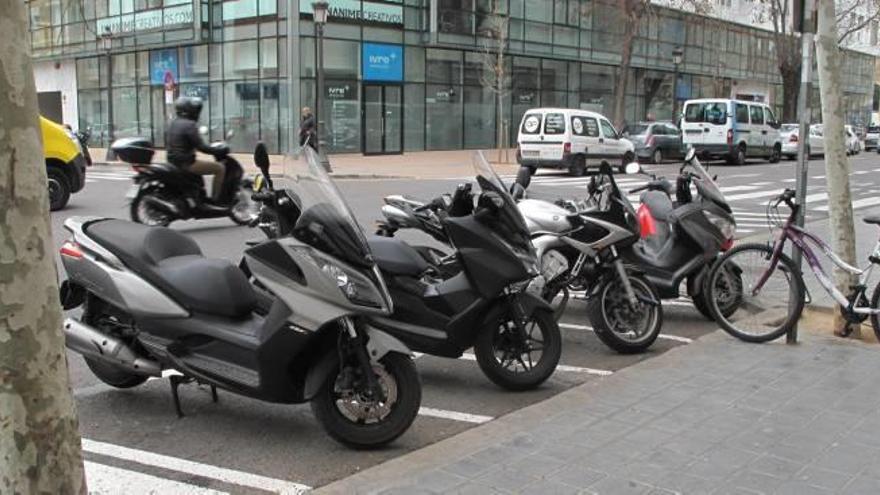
column 739, row 157
column 657, row 156
column 59, row 189
column 353, row 418
column 747, row 314
column 775, row 154
column 578, row 167
column 622, row 326
column 110, row 321
column 520, row 362
column 143, row 212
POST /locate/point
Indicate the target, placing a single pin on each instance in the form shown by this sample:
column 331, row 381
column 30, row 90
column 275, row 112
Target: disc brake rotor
column 357, row 406
column 626, row 319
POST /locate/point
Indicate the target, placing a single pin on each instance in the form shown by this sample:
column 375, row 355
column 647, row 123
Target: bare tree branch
column 845, row 30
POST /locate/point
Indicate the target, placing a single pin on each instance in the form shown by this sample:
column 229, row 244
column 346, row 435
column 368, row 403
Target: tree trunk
column 837, row 167
column 39, row 433
column 626, row 50
column 791, row 88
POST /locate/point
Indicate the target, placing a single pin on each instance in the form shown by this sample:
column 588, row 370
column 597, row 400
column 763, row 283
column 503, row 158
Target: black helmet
column 189, row 107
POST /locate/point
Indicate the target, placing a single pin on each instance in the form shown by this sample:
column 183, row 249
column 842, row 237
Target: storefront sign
column 163, row 62
column 147, row 20
column 382, row 62
column 339, row 92
column 354, row 10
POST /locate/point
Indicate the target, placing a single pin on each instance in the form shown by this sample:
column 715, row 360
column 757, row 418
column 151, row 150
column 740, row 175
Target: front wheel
column 759, row 315
column 520, row 358
column 775, row 154
column 352, row 417
column 620, row 325
column 59, row 189
column 245, row 209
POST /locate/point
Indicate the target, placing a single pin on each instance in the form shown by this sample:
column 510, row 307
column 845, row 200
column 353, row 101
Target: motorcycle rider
column 182, row 139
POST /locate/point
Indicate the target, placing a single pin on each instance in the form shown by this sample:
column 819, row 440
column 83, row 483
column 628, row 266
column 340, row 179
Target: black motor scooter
column 688, row 234
column 163, row 193
column 484, row 305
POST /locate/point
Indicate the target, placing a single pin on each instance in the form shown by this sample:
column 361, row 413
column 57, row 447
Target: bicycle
column 774, row 300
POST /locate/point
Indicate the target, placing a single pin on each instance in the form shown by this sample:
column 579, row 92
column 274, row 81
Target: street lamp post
column 107, row 44
column 677, row 57
column 319, row 15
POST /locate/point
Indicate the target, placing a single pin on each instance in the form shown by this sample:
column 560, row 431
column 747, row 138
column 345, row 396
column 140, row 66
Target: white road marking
column 108, row 480
column 560, row 367
column 860, row 203
column 738, row 188
column 454, row 416
column 225, row 475
column 675, row 338
column 816, row 197
column 751, row 195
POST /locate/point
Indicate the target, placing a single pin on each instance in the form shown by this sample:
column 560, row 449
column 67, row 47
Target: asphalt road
column 240, row 444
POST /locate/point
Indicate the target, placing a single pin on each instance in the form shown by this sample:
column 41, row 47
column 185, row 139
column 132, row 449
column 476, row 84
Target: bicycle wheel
column 759, row 316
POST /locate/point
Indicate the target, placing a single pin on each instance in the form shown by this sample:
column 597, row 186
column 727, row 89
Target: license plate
column 531, row 153
column 132, row 192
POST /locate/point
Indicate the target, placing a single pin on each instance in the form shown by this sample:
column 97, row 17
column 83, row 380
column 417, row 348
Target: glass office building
column 405, row 75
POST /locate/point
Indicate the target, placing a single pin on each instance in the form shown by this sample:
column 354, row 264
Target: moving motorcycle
column 685, row 236
column 483, row 305
column 163, row 193
column 152, row 302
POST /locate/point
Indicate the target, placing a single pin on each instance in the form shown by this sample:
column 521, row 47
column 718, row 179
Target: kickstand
column 176, row 381
column 214, row 394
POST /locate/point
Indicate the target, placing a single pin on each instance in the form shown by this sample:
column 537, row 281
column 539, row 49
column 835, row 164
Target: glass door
column 383, row 119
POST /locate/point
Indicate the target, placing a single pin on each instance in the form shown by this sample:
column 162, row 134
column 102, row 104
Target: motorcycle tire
column 602, row 303
column 486, row 348
column 699, row 300
column 362, row 435
column 147, row 215
column 113, row 375
column 245, row 191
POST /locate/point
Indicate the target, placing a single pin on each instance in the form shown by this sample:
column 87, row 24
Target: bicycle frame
column 800, row 237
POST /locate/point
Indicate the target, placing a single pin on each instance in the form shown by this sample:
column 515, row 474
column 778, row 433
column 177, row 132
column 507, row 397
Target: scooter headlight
column 727, row 227
column 341, row 278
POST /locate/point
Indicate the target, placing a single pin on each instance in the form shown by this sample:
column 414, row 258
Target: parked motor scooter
column 152, row 302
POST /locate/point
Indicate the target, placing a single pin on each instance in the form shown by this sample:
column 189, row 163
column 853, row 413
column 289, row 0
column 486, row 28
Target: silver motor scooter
column 152, row 302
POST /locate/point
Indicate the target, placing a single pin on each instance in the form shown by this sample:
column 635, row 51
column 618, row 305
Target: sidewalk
column 716, row 416
column 415, row 165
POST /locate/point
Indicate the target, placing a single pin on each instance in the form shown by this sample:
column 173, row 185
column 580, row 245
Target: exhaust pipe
column 93, row 343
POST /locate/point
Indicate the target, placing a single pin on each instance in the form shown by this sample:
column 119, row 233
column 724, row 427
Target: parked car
column 853, row 144
column 872, row 138
column 654, row 141
column 570, row 139
column 731, row 129
column 790, row 134
column 65, row 163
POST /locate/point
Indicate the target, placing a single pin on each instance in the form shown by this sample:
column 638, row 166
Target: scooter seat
column 174, row 263
column 659, row 204
column 397, row 257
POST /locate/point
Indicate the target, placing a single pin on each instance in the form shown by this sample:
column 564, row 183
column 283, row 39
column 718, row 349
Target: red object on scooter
column 647, row 227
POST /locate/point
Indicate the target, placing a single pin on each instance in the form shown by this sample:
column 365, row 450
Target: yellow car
column 65, row 163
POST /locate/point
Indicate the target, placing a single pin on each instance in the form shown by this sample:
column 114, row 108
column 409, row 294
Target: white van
column 731, row 129
column 571, row 139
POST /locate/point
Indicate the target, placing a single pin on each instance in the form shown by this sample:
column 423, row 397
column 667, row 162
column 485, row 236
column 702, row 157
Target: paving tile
column 720, row 462
column 471, row 488
column 862, row 486
column 823, row 478
column 546, row 487
column 536, row 465
column 620, row 486
column 754, row 481
column 681, row 482
column 665, row 457
column 800, row 488
column 407, row 490
column 577, row 476
column 847, row 457
column 439, row 481
column 468, row 468
column 505, row 479
column 776, row 466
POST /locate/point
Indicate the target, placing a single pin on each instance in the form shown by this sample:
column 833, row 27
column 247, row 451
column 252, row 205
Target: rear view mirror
column 632, row 168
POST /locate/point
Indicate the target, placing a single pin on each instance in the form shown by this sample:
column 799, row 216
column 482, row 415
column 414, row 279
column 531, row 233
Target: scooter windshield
column 325, row 222
column 510, row 224
column 706, row 186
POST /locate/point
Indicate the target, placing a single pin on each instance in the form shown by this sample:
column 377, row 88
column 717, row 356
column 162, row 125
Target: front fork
column 359, row 347
column 624, row 278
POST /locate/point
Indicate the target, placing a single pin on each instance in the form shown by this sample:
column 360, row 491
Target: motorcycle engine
column 553, row 264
